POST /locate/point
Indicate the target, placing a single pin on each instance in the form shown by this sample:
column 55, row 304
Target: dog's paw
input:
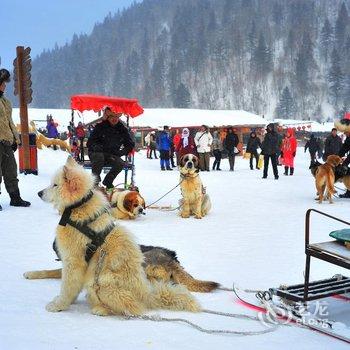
column 100, row 311
column 185, row 216
column 56, row 305
column 198, row 216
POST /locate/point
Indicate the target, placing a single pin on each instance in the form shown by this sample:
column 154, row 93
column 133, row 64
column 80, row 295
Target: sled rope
column 157, row 318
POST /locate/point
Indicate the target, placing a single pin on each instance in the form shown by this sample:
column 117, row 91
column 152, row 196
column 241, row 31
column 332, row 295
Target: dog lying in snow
column 101, row 257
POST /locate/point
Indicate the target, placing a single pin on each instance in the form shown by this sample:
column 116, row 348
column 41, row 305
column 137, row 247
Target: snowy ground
column 254, row 236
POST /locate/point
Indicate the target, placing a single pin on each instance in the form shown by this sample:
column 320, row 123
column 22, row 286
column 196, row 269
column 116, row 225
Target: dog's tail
column 182, row 277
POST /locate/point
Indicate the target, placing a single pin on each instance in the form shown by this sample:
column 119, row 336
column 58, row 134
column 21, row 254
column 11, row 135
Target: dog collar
column 189, row 175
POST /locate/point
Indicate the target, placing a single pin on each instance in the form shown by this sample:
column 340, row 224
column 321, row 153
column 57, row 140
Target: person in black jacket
column 332, row 145
column 252, row 148
column 108, row 142
column 270, row 149
column 230, row 143
column 313, row 147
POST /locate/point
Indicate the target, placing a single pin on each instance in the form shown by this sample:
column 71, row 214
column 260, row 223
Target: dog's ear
column 71, row 180
column 127, row 203
column 195, row 162
column 182, row 161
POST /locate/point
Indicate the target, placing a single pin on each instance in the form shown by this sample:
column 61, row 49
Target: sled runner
column 274, row 309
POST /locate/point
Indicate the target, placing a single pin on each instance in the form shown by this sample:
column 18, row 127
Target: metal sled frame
column 333, row 252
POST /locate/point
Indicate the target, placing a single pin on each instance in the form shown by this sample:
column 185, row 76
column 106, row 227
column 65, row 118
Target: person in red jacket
column 288, row 151
column 80, row 133
column 176, row 141
column 186, row 145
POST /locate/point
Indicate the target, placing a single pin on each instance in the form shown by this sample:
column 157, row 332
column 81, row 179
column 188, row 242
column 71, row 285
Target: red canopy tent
column 127, row 106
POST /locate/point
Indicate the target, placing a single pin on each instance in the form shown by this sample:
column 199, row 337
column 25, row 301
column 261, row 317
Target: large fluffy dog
column 100, row 257
column 194, row 199
column 127, row 205
column 325, row 178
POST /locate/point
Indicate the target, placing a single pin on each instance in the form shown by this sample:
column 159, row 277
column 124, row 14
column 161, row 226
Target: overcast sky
column 41, row 23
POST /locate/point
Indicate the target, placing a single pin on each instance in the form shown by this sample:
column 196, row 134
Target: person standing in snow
column 176, row 142
column 153, row 145
column 80, row 133
column 313, row 147
column 252, row 148
column 9, row 140
column 230, row 144
column 203, row 141
column 269, row 149
column 332, row 144
column 164, row 148
column 217, row 150
column 186, row 145
column 148, row 142
column 288, row 151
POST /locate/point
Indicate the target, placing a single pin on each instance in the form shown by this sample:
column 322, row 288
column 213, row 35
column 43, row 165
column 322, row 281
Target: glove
column 294, row 154
column 14, row 147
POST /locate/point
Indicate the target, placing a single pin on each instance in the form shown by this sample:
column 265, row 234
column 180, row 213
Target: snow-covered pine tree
column 335, row 78
column 286, row 107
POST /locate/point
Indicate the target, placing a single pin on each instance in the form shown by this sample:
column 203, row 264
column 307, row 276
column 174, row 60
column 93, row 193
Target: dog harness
column 97, row 238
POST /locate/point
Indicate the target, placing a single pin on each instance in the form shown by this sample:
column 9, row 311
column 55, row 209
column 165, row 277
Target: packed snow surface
column 254, row 236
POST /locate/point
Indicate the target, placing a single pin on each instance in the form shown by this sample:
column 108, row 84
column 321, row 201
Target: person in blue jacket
column 164, row 148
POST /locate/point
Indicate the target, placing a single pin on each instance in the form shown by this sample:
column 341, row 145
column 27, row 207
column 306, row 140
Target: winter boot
column 107, row 184
column 17, row 201
column 291, row 171
column 285, row 170
column 167, row 165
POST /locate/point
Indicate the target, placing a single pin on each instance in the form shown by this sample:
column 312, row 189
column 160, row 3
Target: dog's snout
column 190, row 165
column 40, row 194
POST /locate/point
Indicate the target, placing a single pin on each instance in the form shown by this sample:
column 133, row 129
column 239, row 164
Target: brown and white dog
column 325, row 178
column 127, row 205
column 194, row 199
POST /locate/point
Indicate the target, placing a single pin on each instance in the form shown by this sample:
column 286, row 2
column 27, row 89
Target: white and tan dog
column 127, row 205
column 194, row 199
column 113, row 276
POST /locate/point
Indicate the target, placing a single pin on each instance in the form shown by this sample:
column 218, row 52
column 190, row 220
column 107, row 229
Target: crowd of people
column 110, row 140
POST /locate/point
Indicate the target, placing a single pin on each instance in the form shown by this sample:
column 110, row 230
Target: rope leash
column 165, row 194
column 157, row 318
